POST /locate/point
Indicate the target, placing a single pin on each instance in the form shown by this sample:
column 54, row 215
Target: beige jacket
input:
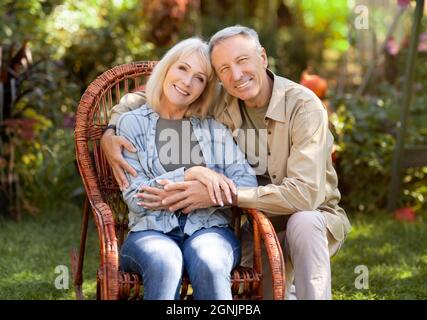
column 299, row 163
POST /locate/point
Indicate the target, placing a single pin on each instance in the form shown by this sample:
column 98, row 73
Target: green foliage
column 52, row 181
column 312, row 36
column 365, row 132
column 70, row 44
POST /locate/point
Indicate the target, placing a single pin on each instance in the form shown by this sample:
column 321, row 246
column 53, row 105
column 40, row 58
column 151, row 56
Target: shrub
column 365, row 137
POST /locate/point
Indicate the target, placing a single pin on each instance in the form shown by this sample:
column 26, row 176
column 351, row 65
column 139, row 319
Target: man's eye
column 223, row 70
column 243, row 59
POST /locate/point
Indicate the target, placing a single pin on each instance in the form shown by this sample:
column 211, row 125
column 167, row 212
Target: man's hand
column 112, row 147
column 190, row 195
column 217, row 184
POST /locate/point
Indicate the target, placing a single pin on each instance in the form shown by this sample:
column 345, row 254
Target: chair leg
column 98, row 287
column 77, row 262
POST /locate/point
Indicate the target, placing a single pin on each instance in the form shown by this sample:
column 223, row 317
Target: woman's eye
column 182, row 68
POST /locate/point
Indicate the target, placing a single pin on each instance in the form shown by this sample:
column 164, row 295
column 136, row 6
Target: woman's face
column 184, row 82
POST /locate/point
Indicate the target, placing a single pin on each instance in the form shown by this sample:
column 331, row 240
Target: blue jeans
column 208, row 256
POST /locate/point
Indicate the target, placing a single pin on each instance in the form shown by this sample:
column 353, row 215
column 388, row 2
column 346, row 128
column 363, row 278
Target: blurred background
column 353, row 54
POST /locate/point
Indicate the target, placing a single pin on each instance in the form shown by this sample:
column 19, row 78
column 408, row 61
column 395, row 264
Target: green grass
column 394, row 253
column 31, row 250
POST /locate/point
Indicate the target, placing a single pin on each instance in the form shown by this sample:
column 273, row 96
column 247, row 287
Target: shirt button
column 274, row 176
column 269, row 153
column 269, row 132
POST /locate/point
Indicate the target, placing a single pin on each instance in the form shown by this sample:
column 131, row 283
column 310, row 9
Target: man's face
column 240, row 66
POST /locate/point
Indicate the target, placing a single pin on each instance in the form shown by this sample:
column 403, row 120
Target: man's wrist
column 234, row 198
column 111, row 128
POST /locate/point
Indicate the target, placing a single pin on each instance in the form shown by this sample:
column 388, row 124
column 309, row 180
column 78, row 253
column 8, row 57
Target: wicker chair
column 104, row 200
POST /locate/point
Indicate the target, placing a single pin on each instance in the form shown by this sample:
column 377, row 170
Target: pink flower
column 392, row 47
column 422, row 45
column 403, row 3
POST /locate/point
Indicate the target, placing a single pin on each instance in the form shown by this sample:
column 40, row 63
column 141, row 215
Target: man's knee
column 304, row 226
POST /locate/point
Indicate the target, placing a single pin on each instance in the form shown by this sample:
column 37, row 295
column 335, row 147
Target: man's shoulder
column 133, row 99
column 296, row 95
column 134, row 116
column 296, row 90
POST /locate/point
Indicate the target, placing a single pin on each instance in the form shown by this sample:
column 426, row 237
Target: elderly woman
column 176, row 141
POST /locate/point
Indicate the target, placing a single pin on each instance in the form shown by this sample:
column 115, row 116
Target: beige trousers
column 308, row 246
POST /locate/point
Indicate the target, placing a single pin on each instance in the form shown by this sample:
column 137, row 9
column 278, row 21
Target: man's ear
column 264, row 58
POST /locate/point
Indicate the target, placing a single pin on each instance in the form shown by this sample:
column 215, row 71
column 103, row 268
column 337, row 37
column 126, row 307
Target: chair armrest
column 263, row 226
column 109, row 266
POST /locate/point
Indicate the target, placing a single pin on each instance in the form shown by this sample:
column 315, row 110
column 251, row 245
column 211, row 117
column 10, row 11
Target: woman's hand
column 214, row 182
column 151, row 197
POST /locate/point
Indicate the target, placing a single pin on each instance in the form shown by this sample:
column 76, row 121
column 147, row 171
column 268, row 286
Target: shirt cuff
column 247, row 197
column 179, row 175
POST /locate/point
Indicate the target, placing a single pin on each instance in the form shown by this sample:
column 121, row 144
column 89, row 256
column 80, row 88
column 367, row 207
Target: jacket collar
column 276, row 108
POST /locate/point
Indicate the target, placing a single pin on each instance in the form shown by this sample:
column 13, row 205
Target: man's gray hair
column 232, row 31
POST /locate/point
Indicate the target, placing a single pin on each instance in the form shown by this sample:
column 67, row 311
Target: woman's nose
column 186, row 80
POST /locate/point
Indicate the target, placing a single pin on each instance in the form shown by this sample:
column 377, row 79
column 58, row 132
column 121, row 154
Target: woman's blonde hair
column 154, row 88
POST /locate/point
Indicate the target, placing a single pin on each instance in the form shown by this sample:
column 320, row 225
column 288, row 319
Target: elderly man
column 283, row 129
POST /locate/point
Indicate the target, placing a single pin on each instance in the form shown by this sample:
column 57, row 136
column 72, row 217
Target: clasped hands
column 201, row 188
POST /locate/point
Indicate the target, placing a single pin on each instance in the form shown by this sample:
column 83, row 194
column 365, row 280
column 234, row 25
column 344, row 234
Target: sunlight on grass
column 362, row 231
column 393, row 253
column 423, row 259
column 386, row 249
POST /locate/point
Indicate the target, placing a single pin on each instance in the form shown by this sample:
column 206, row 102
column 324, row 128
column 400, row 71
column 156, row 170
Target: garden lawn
column 394, row 253
column 32, row 249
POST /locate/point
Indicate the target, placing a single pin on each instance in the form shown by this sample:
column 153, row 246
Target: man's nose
column 236, row 72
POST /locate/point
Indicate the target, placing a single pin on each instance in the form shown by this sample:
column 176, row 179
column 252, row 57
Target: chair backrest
column 92, row 117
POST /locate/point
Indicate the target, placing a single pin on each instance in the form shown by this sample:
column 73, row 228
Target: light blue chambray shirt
column 220, row 153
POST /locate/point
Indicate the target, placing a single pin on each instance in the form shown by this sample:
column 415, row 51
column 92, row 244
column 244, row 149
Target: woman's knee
column 212, row 253
column 151, row 253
